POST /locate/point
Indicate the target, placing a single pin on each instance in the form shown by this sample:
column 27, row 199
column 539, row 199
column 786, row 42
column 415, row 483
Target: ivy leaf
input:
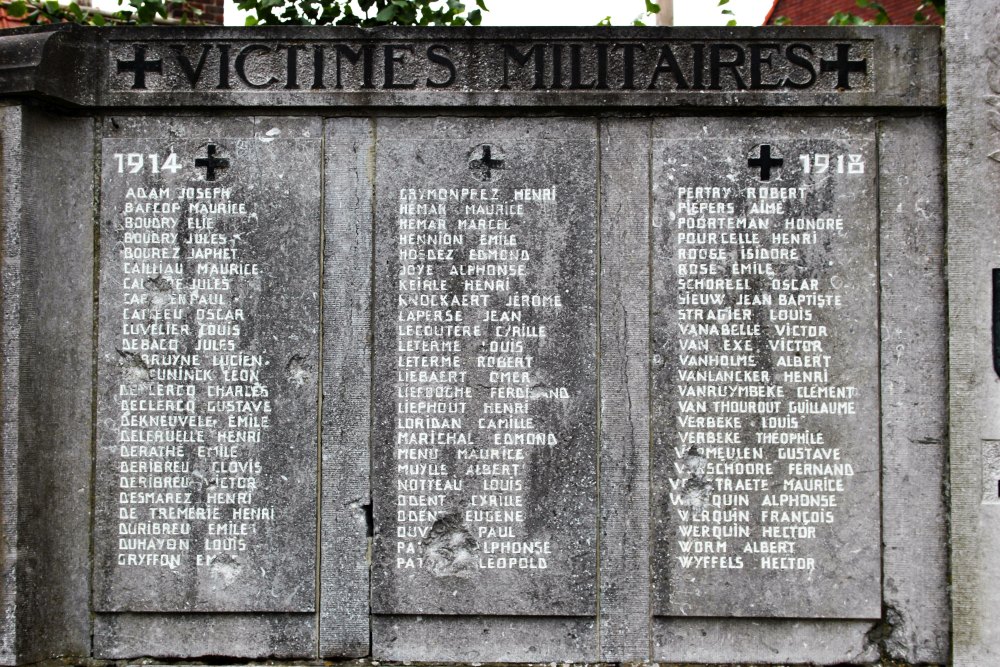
column 387, row 14
column 17, row 9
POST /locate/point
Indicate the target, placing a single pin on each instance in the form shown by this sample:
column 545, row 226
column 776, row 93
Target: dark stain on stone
column 450, row 550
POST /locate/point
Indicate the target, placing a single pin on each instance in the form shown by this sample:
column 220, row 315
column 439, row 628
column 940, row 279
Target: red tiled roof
column 818, row 12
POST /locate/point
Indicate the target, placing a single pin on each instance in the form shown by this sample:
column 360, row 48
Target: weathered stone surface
column 11, row 145
column 208, row 366
column 57, row 350
column 485, row 453
column 347, row 347
column 765, row 370
column 763, row 641
column 914, row 406
column 593, row 495
column 478, row 639
column 47, row 349
column 270, row 636
column 974, row 391
column 543, row 67
column 625, row 498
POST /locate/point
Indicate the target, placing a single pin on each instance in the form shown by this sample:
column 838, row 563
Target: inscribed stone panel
column 207, row 371
column 765, row 373
column 484, row 476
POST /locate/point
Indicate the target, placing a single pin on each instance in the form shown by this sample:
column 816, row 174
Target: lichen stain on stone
column 225, row 568
column 134, row 369
column 297, row 371
column 450, row 550
column 160, row 288
column 697, row 490
column 157, row 283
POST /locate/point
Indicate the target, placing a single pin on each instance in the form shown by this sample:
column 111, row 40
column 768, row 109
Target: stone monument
column 485, row 345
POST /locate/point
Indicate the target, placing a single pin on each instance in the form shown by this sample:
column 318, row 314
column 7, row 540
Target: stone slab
column 974, row 390
column 765, row 370
column 485, row 452
column 625, row 499
column 55, row 399
column 484, row 67
column 347, row 349
column 763, row 641
column 208, row 359
column 258, row 636
column 480, row 639
column 11, row 147
column 914, row 390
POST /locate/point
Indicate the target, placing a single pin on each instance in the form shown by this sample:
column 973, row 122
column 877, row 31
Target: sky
column 622, row 12
column 589, row 12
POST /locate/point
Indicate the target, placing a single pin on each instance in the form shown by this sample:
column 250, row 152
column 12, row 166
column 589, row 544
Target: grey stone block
column 47, row 342
column 483, row 639
column 347, row 349
column 625, row 498
column 974, row 391
column 485, row 455
column 763, row 641
column 256, row 636
column 11, row 145
column 241, row 277
column 765, row 369
column 537, row 67
column 914, row 391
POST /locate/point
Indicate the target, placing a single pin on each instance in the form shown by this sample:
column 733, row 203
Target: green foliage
column 369, row 13
column 728, row 12
column 363, row 13
column 138, row 12
column 922, row 14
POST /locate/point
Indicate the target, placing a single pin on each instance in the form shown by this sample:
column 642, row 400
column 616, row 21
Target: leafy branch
column 138, row 12
column 923, row 13
column 371, row 12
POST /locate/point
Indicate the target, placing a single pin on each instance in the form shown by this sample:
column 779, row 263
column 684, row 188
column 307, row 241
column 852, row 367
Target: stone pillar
column 973, row 94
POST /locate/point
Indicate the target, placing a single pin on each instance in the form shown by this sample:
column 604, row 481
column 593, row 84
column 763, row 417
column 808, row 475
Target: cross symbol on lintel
column 211, row 163
column 844, row 66
column 139, row 66
column 483, row 166
column 765, row 162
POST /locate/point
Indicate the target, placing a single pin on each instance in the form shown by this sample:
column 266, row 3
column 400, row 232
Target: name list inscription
column 188, row 387
column 483, row 411
column 764, row 431
column 479, row 409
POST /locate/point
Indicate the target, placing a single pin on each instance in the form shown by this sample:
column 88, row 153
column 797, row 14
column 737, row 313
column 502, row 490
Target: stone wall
column 475, row 345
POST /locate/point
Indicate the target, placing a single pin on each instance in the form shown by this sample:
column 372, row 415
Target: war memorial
column 496, row 345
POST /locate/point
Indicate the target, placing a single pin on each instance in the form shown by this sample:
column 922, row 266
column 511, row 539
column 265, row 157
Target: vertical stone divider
column 914, row 390
column 624, row 391
column 973, row 94
column 346, row 417
column 56, row 394
column 10, row 272
column 47, row 339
